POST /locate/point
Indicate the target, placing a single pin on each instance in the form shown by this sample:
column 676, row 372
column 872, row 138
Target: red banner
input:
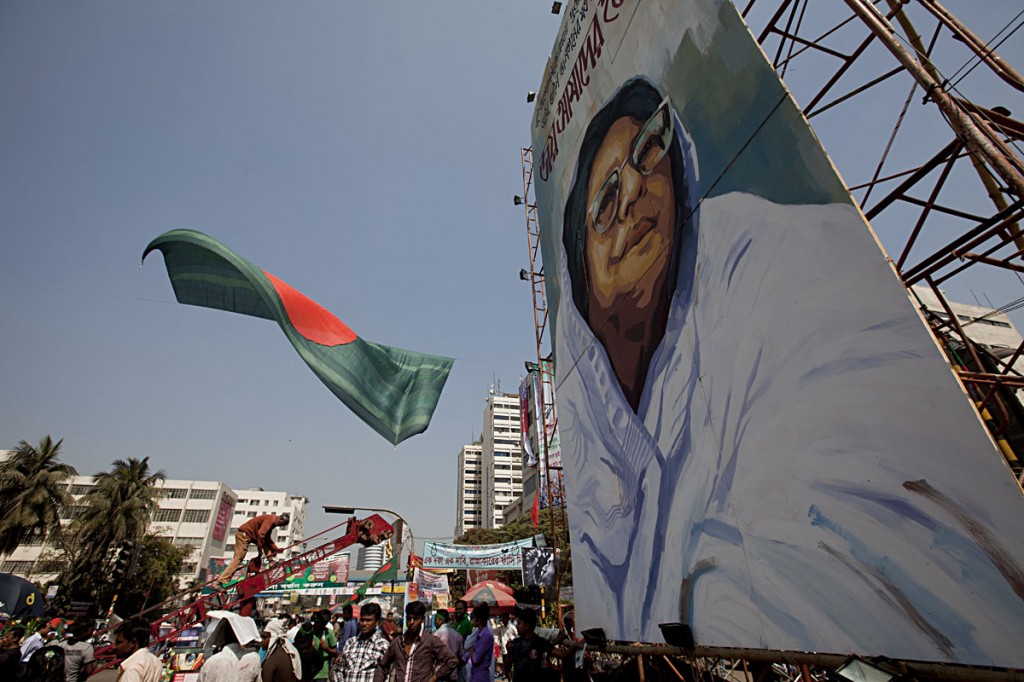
column 224, row 512
column 474, row 576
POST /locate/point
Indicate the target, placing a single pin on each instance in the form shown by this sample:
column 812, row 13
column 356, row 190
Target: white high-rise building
column 502, row 457
column 372, row 557
column 203, row 514
column 469, row 496
column 256, row 502
column 983, row 325
column 195, row 513
column 490, row 473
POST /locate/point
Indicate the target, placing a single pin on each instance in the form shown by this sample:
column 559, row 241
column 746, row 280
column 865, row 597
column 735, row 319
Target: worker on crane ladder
column 256, row 531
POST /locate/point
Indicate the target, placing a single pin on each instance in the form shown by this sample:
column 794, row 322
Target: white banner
column 501, row 556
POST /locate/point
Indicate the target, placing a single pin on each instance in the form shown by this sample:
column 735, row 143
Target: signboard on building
column 223, row 520
column 760, row 437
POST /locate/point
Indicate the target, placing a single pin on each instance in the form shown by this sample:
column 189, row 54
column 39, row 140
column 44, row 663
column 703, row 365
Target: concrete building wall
column 255, row 502
column 186, row 515
column 469, row 490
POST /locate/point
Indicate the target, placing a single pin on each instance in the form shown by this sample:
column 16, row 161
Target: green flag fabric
column 395, row 391
column 389, row 571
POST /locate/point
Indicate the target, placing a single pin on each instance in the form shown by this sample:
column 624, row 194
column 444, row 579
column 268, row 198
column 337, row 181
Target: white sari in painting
column 783, row 476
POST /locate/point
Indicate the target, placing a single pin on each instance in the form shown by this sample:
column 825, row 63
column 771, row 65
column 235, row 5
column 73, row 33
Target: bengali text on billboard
column 760, row 437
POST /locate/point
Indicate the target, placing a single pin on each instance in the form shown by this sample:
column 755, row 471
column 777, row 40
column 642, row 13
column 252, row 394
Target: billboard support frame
column 989, row 137
column 545, row 365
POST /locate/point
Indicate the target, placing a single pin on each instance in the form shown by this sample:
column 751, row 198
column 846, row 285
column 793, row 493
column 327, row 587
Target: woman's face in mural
column 631, row 218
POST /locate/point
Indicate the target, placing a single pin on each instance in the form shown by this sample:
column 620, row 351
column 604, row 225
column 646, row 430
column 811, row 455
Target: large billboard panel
column 760, row 437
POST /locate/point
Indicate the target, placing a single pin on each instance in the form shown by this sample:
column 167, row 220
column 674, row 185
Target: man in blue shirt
column 351, row 627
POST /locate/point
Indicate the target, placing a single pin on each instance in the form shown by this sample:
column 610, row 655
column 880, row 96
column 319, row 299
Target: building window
column 188, row 568
column 17, row 566
column 276, row 502
column 195, row 542
column 167, row 516
column 202, row 494
column 175, row 493
column 79, row 489
column 251, row 515
column 196, row 516
column 73, row 512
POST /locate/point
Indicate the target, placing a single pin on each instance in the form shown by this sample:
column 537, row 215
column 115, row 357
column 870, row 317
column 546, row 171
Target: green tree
column 155, row 577
column 118, row 509
column 32, row 492
column 517, row 530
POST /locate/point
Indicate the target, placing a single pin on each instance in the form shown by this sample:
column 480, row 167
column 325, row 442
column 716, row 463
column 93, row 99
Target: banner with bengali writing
column 505, row 555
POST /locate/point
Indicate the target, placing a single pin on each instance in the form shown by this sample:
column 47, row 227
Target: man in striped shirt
column 361, row 654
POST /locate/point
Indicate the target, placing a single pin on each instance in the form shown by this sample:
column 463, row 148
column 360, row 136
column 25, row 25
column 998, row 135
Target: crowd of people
column 464, row 646
column 58, row 649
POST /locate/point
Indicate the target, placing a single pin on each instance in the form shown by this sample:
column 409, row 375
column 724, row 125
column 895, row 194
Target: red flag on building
column 535, row 512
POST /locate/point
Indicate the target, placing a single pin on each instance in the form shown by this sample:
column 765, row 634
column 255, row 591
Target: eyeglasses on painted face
column 649, row 147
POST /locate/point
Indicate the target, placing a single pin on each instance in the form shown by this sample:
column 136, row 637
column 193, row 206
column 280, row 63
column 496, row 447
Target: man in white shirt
column 131, row 639
column 35, row 642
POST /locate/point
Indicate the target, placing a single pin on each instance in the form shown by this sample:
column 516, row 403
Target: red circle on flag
column 311, row 319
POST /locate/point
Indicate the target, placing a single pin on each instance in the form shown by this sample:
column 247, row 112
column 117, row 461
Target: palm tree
column 32, row 492
column 119, row 507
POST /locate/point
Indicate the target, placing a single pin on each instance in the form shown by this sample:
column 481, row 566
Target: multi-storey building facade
column 490, row 473
column 194, row 513
column 502, row 456
column 469, row 489
column 202, row 514
column 256, row 502
column 983, row 325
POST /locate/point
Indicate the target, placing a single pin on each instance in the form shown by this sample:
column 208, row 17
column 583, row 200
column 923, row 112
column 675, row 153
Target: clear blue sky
column 366, row 153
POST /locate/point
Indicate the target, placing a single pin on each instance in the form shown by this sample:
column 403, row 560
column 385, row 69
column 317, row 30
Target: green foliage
column 32, row 492
column 155, row 577
column 117, row 509
column 517, row 530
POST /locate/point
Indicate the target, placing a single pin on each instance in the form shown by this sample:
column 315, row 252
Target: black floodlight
column 595, row 637
column 530, row 96
column 677, row 634
column 556, row 7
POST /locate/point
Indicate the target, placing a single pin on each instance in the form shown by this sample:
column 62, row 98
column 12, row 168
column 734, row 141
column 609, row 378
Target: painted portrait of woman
column 725, row 414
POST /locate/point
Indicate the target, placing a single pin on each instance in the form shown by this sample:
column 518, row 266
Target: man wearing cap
column 447, row 634
column 256, row 531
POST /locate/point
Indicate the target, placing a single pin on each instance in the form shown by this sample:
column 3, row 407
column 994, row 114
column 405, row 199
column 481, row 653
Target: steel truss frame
column 985, row 138
column 545, row 364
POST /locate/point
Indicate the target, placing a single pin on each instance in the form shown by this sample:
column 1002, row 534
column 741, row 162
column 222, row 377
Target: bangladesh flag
column 395, row 391
column 389, row 571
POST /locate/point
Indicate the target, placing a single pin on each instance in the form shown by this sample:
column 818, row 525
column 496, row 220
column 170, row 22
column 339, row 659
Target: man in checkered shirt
column 360, row 655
